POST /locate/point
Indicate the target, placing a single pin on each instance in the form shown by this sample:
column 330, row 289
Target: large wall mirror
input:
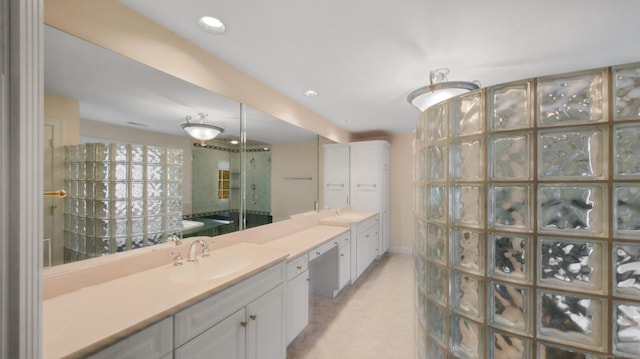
column 259, row 170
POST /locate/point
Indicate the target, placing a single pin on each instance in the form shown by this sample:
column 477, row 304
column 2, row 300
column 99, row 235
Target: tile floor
column 373, row 319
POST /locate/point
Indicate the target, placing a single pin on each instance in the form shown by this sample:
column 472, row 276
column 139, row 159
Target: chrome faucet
column 177, row 258
column 192, row 250
column 175, row 239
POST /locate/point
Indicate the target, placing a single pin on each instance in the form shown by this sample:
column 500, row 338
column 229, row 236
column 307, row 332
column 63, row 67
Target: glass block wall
column 528, row 220
column 120, row 197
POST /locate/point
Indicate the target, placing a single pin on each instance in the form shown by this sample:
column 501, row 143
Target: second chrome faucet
column 192, row 250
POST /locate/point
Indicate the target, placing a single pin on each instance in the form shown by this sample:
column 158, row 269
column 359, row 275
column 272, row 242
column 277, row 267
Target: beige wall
column 401, row 228
column 62, row 114
column 121, row 134
column 67, row 111
column 293, row 195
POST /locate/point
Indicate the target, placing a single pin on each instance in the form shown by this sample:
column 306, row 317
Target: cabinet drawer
column 153, row 342
column 343, row 239
column 203, row 315
column 367, row 223
column 297, row 266
column 320, row 250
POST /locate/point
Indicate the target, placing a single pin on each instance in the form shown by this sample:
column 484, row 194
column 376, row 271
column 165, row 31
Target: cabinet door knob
column 299, row 267
column 253, row 316
column 243, row 324
column 308, row 279
column 318, row 252
column 341, row 254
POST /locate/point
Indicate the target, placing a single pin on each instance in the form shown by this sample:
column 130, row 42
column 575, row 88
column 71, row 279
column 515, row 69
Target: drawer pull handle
column 318, row 252
column 341, row 254
column 243, row 324
column 298, row 267
column 253, row 316
column 336, row 243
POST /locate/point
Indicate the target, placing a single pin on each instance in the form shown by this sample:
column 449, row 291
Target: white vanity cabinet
column 343, row 242
column 335, row 175
column 297, row 296
column 245, row 321
column 153, row 342
column 366, row 245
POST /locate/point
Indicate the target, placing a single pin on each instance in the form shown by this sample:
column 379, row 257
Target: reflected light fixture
column 439, row 89
column 200, row 130
column 212, row 25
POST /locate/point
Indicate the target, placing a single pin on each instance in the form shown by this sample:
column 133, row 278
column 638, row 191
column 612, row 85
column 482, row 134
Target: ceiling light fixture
column 212, row 25
column 439, row 89
column 200, row 130
column 311, row 93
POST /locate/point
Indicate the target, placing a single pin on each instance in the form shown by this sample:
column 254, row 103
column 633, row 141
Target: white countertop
column 87, row 319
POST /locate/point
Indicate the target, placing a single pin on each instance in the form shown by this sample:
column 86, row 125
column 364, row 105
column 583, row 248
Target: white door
column 345, row 265
column 365, row 176
column 266, row 332
column 297, row 305
column 53, row 215
column 336, row 175
column 225, row 340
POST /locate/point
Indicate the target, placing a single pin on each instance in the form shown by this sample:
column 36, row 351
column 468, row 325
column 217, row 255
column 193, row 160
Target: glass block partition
column 120, row 197
column 527, row 207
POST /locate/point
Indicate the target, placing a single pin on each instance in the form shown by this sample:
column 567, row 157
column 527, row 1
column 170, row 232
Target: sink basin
column 188, row 225
column 343, row 220
column 209, row 268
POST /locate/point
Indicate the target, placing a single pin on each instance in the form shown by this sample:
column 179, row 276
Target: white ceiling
column 365, row 56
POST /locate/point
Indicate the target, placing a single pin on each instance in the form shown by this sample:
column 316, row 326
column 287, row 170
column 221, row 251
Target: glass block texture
column 510, row 157
column 509, row 207
column 572, row 209
column 120, row 197
column 577, row 154
column 626, row 328
column 509, row 307
column 530, row 209
column 578, row 263
column 511, row 107
column 505, row 346
column 626, row 96
column 626, row 270
column 626, row 147
column 572, row 319
column 572, row 99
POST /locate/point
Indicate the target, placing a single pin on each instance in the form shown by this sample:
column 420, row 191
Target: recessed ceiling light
column 212, row 25
column 310, row 93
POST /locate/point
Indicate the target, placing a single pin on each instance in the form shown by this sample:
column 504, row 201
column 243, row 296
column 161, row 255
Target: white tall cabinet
column 363, row 168
column 336, row 175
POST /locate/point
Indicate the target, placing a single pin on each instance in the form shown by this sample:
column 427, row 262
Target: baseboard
column 401, row 250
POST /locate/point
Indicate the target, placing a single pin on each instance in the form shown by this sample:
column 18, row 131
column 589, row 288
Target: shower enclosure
column 527, row 219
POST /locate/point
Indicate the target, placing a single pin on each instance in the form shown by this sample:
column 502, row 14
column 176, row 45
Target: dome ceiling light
column 439, row 89
column 200, row 130
column 212, row 25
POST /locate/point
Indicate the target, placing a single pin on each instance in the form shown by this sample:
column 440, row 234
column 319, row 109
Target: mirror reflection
column 259, row 170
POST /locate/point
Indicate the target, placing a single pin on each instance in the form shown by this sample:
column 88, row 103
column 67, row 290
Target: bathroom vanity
column 249, row 299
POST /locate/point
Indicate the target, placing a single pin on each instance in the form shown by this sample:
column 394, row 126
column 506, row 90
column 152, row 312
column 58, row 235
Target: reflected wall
column 528, row 219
